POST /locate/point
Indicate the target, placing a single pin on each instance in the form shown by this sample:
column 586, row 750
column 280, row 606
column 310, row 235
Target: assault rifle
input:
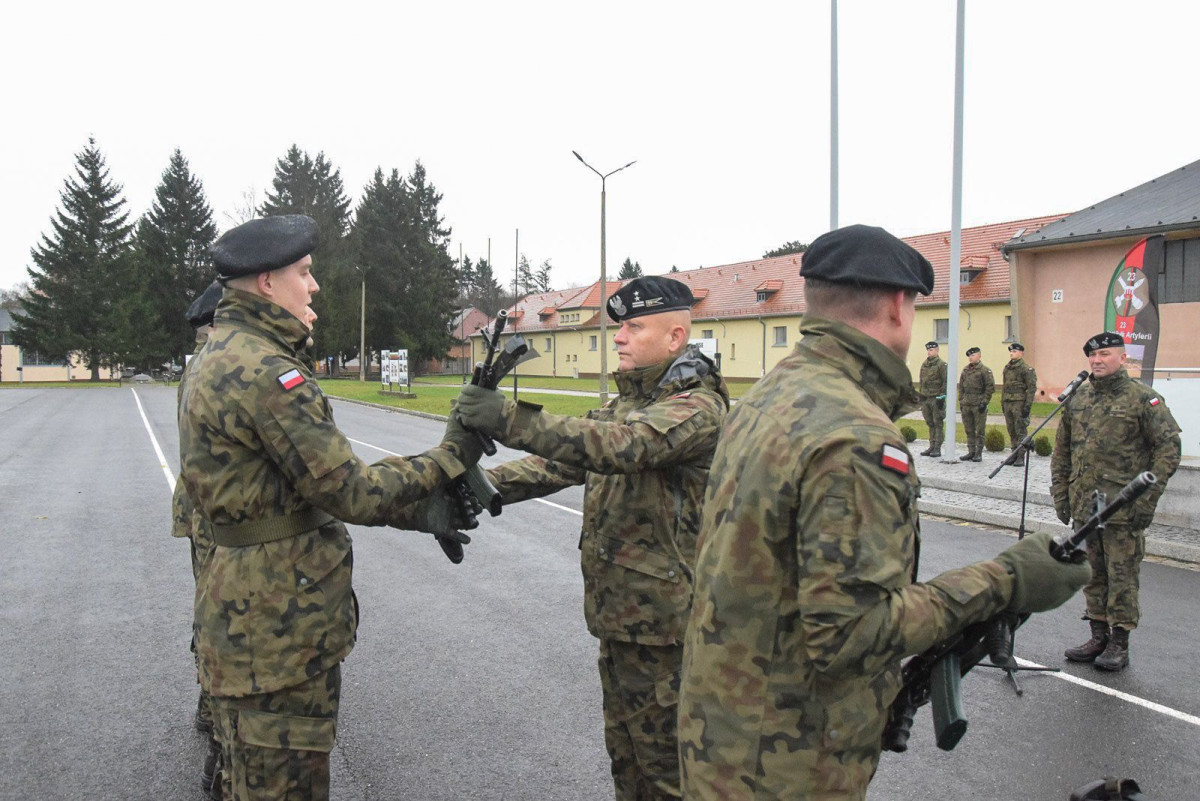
column 473, row 488
column 935, row 676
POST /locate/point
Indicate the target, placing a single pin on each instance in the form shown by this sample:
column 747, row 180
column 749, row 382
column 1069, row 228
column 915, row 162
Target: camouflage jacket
column 975, row 385
column 805, row 599
column 643, row 460
column 182, row 509
column 1112, row 429
column 933, row 378
column 1020, row 382
column 256, row 441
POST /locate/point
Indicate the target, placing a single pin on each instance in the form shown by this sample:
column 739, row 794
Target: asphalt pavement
column 471, row 681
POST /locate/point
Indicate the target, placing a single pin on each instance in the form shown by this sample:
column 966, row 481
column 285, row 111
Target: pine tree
column 542, row 276
column 173, row 241
column 304, row 185
column 488, row 296
column 630, row 269
column 526, row 281
column 787, row 248
column 78, row 268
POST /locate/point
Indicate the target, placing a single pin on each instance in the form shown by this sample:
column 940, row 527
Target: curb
column 395, row 409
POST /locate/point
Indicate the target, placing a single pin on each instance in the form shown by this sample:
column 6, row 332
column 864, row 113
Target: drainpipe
column 764, row 345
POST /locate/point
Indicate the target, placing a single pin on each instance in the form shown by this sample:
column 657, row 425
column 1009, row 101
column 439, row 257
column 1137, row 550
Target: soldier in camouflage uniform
column 805, row 598
column 932, row 386
column 187, row 522
column 975, row 388
column 1016, row 399
column 643, row 460
column 264, row 463
column 1112, row 428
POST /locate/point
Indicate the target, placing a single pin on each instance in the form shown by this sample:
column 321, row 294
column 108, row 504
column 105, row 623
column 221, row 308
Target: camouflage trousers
column 1015, row 419
column 975, row 424
column 1116, row 558
column 934, row 412
column 276, row 746
column 641, row 698
column 201, row 546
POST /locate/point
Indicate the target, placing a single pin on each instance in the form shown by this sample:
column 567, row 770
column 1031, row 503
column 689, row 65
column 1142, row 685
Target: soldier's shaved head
column 652, row 338
column 885, row 313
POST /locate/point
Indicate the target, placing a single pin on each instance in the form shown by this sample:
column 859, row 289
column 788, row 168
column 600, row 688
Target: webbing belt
column 257, row 532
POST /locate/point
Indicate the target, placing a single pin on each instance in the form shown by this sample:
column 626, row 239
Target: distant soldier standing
column 1016, row 399
column 643, row 460
column 932, row 386
column 805, row 594
column 187, row 522
column 975, row 388
column 1112, row 429
column 265, row 464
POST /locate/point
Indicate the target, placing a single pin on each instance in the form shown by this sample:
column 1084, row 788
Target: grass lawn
column 436, row 399
column 736, row 390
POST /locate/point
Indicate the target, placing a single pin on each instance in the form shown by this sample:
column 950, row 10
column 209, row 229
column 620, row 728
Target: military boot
column 935, row 450
column 927, row 452
column 1020, row 460
column 1093, row 647
column 977, row 456
column 1116, row 655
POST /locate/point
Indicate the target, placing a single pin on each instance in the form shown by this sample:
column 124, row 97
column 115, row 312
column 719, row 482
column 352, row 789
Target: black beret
column 263, row 244
column 201, row 312
column 1103, row 340
column 649, row 295
column 867, row 255
column 930, row 344
column 1017, row 346
column 973, row 350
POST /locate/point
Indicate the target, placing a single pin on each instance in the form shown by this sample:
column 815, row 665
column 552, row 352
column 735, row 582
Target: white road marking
column 1133, row 699
column 162, row 460
column 1100, row 688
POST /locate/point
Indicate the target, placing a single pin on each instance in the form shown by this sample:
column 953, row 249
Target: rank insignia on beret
column 894, row 459
column 617, row 305
column 1155, row 401
column 291, row 379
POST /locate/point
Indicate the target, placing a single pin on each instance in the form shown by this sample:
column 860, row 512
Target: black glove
column 1026, row 410
column 1062, row 508
column 442, row 515
column 1143, row 513
column 983, row 408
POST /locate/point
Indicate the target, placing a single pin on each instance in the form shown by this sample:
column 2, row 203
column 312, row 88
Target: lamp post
column 603, row 280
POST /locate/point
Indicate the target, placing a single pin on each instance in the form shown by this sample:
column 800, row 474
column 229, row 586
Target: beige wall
column 10, row 358
column 741, row 343
column 1058, row 330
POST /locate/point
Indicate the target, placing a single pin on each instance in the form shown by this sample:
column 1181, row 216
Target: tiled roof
column 980, row 251
column 556, row 301
column 730, row 291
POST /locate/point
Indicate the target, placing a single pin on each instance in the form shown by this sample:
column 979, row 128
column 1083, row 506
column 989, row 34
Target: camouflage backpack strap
column 269, row 529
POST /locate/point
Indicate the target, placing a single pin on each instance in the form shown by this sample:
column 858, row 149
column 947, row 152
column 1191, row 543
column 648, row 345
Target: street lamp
column 603, row 281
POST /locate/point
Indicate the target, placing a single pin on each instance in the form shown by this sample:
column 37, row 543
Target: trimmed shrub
column 994, row 440
column 910, row 433
column 1042, row 446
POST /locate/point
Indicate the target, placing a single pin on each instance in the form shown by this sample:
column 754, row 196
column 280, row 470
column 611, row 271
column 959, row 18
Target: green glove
column 458, row 450
column 1062, row 508
column 983, row 408
column 1041, row 582
column 442, row 515
column 1143, row 513
column 484, row 410
column 1026, row 410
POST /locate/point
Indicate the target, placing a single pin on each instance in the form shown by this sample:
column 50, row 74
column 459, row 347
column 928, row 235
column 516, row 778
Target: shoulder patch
column 1155, row 401
column 894, row 459
column 291, row 379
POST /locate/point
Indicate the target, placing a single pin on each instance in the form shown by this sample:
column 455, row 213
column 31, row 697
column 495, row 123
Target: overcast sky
column 724, row 106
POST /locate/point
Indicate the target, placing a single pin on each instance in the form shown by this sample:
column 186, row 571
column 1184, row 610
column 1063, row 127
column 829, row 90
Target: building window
column 780, row 336
column 549, row 345
column 5, row 338
column 706, row 333
column 1008, row 332
column 593, row 343
column 31, row 358
column 1180, row 278
column 941, row 329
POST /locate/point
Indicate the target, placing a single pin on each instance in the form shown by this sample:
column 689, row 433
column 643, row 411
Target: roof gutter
column 1132, row 233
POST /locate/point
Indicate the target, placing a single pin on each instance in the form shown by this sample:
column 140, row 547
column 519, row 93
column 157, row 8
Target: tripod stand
column 1002, row 639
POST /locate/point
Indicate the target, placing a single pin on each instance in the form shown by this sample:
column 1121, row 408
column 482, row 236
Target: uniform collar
column 868, row 362
column 247, row 310
column 1110, row 382
column 641, row 382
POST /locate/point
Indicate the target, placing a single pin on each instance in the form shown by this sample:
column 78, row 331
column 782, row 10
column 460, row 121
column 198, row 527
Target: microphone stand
column 1004, row 629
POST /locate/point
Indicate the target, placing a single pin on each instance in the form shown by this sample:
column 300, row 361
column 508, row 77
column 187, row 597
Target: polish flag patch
column 1155, row 401
column 292, row 379
column 894, row 459
column 682, row 395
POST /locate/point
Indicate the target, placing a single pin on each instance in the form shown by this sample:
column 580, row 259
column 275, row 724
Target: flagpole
column 950, row 454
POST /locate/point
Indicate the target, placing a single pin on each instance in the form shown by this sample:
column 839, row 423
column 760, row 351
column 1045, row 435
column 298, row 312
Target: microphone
column 1074, row 385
